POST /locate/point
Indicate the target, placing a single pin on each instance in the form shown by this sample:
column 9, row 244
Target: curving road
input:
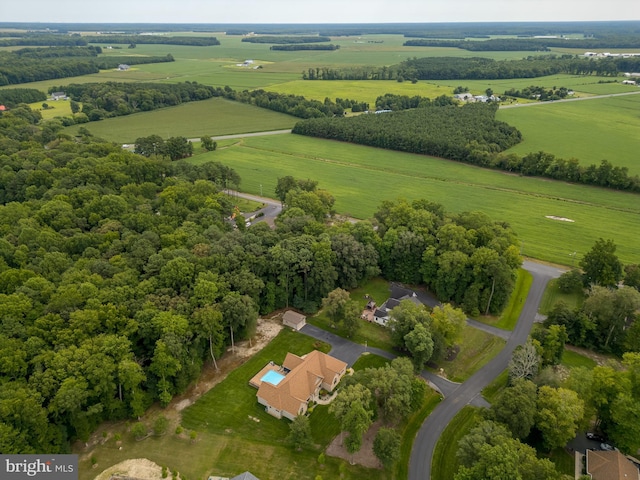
column 434, row 425
column 456, row 395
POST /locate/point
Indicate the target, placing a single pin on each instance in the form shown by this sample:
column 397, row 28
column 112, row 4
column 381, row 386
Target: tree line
column 445, row 131
column 530, row 44
column 295, row 105
column 285, row 39
column 26, row 65
column 111, row 99
column 478, row 68
column 153, row 40
column 304, row 46
column 467, row 134
column 12, row 97
column 536, row 92
column 120, row 274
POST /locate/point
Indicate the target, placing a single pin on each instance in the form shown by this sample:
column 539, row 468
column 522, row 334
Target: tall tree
column 559, row 411
column 601, row 265
column 300, row 433
column 420, row 344
column 386, row 446
column 525, row 362
column 516, row 407
column 239, row 313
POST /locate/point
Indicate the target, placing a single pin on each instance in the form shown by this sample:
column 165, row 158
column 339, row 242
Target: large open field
column 361, row 177
column 590, row 130
column 215, row 116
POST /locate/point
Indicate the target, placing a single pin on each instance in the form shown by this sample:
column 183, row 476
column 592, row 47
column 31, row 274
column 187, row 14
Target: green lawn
column 214, row 413
column 509, row 317
column 590, row 131
column 553, row 295
column 572, row 360
column 57, row 108
column 445, row 464
column 370, row 360
column 477, row 348
column 215, row 116
column 373, row 334
column 360, row 178
column 491, row 391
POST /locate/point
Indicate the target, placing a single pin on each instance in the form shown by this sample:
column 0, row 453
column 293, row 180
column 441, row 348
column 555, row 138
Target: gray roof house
column 398, row 293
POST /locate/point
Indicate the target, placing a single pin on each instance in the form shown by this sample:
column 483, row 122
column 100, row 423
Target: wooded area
column 120, row 274
column 479, row 68
column 23, row 66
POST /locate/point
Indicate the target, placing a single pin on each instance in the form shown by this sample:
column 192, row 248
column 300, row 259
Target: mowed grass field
column 589, row 130
column 215, row 116
column 360, row 178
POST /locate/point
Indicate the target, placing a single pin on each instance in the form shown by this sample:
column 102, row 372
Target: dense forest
column 304, row 46
column 478, row 68
column 121, row 274
column 152, row 40
column 12, row 97
column 50, row 40
column 285, row 40
column 26, row 65
column 445, row 131
column 110, row 99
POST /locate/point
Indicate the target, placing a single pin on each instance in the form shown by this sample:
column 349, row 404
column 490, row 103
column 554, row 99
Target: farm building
column 286, row 391
column 293, row 319
column 123, row 67
column 398, row 293
column 58, row 96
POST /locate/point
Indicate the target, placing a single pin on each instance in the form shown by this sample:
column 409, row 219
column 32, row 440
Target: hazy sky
column 314, row 11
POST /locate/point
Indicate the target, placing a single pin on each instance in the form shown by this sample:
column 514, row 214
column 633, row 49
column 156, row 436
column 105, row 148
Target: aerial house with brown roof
column 287, row 390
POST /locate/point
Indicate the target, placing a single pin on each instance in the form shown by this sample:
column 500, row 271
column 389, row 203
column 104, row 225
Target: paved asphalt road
column 578, row 99
column 244, row 135
column 456, row 395
column 271, row 209
column 432, row 428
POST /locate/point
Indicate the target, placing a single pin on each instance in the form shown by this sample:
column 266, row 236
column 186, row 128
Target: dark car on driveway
column 595, row 436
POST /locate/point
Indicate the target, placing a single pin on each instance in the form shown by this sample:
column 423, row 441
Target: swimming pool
column 272, row 377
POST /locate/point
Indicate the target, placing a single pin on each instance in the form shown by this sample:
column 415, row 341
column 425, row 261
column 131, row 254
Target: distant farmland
column 590, row 130
column 215, row 116
column 361, row 177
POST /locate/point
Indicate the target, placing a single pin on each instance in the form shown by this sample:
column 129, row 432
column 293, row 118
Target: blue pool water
column 274, row 378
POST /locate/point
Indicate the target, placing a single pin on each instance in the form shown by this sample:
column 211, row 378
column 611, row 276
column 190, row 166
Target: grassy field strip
column 215, row 116
column 553, row 295
column 604, row 128
column 445, row 464
column 359, row 191
column 511, row 312
column 628, row 208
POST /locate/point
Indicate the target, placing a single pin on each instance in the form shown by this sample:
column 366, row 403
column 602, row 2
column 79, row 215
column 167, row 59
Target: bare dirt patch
column 138, row 468
column 365, row 455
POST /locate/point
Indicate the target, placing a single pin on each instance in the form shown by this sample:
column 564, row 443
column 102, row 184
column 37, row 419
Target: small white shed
column 294, row 320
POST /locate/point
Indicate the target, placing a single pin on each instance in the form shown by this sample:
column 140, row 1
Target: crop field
column 215, row 116
column 361, row 90
column 361, row 177
column 590, row 131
